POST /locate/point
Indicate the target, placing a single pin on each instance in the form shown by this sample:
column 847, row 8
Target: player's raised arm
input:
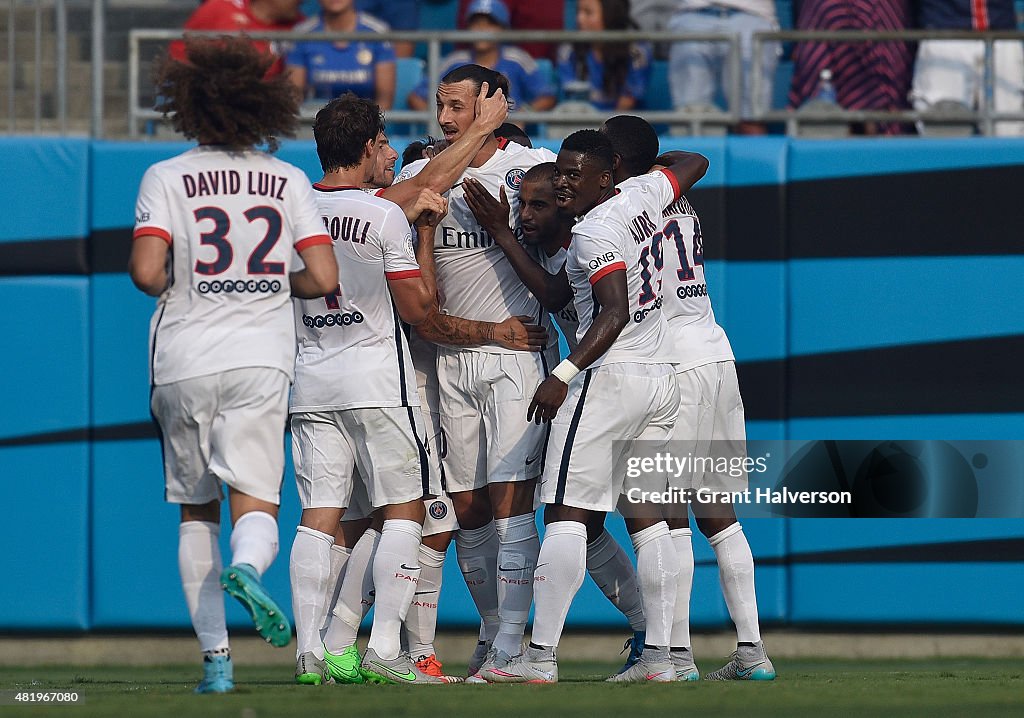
column 684, row 169
column 441, row 172
column 551, row 290
column 611, row 294
column 415, row 293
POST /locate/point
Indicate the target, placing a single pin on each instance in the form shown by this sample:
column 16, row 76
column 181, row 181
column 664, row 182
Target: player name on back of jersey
column 347, row 229
column 642, row 228
column 224, row 182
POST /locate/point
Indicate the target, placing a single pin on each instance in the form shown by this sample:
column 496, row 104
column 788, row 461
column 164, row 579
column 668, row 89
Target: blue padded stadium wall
column 868, row 288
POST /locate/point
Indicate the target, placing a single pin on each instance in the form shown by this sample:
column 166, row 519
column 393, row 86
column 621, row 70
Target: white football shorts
column 484, row 400
column 606, row 410
column 223, row 428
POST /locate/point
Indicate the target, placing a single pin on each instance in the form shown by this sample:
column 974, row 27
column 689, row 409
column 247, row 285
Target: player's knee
column 711, row 525
column 512, row 498
column 209, row 512
column 472, row 508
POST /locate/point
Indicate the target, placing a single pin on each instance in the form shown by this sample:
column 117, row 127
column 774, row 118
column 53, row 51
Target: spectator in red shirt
column 245, row 15
column 529, row 15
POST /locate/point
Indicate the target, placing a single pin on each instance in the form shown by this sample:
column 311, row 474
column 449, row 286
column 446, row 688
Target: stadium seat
column 409, row 72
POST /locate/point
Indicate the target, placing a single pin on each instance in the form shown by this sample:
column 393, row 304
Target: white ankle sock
column 561, row 565
column 615, row 575
column 200, row 565
column 421, row 623
column 518, row 548
column 684, row 585
column 657, row 567
column 477, row 553
column 309, row 568
column 254, row 540
column 356, row 585
column 736, row 572
column 396, row 572
column 339, row 560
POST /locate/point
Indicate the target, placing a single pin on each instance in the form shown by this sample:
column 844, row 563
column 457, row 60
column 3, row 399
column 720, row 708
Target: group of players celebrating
column 418, row 368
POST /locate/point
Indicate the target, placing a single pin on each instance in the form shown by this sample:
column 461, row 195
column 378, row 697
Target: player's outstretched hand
column 547, row 399
column 430, row 208
column 491, row 111
column 491, row 213
column 520, row 334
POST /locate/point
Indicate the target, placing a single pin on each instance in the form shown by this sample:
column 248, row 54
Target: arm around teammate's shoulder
column 684, row 169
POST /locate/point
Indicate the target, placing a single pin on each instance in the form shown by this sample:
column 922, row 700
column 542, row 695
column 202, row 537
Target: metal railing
column 985, row 114
column 434, row 41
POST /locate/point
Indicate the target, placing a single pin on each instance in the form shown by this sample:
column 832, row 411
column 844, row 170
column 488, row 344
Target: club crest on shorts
column 437, row 510
column 514, row 178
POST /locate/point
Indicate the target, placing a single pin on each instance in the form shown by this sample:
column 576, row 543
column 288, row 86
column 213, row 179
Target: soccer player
column 215, row 232
column 547, row 233
column 623, row 359
column 354, row 402
column 711, row 415
column 493, row 457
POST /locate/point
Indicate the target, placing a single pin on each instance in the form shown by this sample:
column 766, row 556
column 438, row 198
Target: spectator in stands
column 527, row 15
column 243, row 15
column 399, row 15
column 865, row 75
column 954, row 69
column 324, row 69
column 528, row 84
column 699, row 69
column 616, row 72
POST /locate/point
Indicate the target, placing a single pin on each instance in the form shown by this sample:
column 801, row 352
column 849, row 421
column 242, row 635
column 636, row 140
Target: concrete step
column 25, row 46
column 25, row 17
column 79, row 76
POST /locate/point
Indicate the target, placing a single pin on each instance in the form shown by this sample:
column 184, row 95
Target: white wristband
column 565, row 371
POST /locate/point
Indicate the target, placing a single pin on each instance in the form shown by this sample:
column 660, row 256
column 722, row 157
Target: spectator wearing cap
column 243, row 15
column 527, row 15
column 617, row 73
column 528, row 84
column 323, row 69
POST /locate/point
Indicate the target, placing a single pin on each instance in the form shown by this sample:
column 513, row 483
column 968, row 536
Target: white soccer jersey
column 234, row 221
column 691, row 320
column 566, row 318
column 352, row 352
column 474, row 277
column 617, row 234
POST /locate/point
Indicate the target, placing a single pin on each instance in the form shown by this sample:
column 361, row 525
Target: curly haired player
column 216, row 229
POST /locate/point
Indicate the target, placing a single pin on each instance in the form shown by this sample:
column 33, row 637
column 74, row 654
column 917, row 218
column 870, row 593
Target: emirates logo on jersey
column 514, row 178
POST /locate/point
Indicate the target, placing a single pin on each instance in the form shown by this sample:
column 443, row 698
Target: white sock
column 736, row 572
column 684, row 585
column 200, row 565
column 657, row 567
column 477, row 552
column 254, row 541
column 561, row 565
column 309, row 569
column 615, row 575
column 395, row 575
column 421, row 623
column 339, row 559
column 356, row 587
column 518, row 548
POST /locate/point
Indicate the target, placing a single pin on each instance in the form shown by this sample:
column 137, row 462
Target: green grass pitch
column 972, row 688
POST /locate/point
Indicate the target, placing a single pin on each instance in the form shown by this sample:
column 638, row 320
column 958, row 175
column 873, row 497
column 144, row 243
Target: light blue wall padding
column 827, row 159
column 906, row 594
column 45, row 537
column 120, row 330
column 46, row 188
column 996, row 427
column 117, row 169
column 45, row 330
column 807, row 535
column 843, row 304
